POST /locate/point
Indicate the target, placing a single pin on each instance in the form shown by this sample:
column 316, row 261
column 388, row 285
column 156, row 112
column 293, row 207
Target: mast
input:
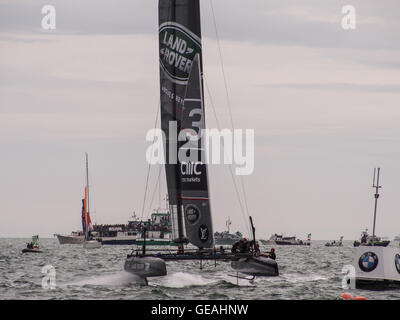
column 253, row 230
column 228, row 223
column 375, row 185
column 87, row 187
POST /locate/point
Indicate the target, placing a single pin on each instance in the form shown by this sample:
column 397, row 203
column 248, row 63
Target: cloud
column 339, row 86
column 322, row 101
column 305, row 23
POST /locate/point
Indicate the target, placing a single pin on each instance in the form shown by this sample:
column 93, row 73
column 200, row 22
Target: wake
column 120, row 278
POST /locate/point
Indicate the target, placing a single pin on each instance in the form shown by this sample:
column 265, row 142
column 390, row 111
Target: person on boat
column 221, row 250
column 236, row 246
column 272, row 254
column 180, row 249
column 364, row 237
column 246, row 246
column 257, row 248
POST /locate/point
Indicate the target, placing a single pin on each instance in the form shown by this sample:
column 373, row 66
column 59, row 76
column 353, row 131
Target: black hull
column 31, row 251
column 145, row 266
column 198, row 256
column 119, row 242
column 376, row 244
column 256, row 266
column 377, row 285
column 285, row 243
column 245, row 263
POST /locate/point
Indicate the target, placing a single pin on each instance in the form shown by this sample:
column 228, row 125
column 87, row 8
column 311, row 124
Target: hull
column 145, row 267
column 118, row 242
column 256, row 266
column 333, row 245
column 285, row 241
column 31, row 251
column 157, row 242
column 378, row 285
column 290, row 243
column 91, row 244
column 268, row 242
column 70, row 239
column 376, row 244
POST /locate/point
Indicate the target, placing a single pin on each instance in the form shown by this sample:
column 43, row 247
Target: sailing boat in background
column 89, row 242
column 182, row 108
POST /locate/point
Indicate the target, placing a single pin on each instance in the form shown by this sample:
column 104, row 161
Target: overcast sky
column 323, row 101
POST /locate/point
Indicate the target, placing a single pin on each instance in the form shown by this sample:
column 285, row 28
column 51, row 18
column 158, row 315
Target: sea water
column 306, row 272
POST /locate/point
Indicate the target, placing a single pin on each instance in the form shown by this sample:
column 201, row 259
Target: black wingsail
column 193, row 170
column 182, row 108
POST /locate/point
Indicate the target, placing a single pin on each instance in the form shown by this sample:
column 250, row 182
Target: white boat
column 74, row 238
column 281, row 240
column 377, row 265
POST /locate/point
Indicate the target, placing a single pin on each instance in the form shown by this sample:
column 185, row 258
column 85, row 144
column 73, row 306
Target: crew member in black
column 236, row 246
column 245, row 246
column 272, row 254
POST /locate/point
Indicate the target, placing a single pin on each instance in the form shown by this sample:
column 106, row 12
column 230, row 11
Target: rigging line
column 149, row 166
column 246, row 222
column 222, row 64
column 227, row 95
column 154, row 191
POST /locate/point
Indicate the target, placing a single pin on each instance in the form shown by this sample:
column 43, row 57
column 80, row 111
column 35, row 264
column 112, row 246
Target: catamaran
column 89, row 241
column 182, row 110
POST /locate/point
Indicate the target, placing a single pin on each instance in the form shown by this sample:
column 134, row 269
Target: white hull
column 70, row 239
column 268, row 242
column 91, row 244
